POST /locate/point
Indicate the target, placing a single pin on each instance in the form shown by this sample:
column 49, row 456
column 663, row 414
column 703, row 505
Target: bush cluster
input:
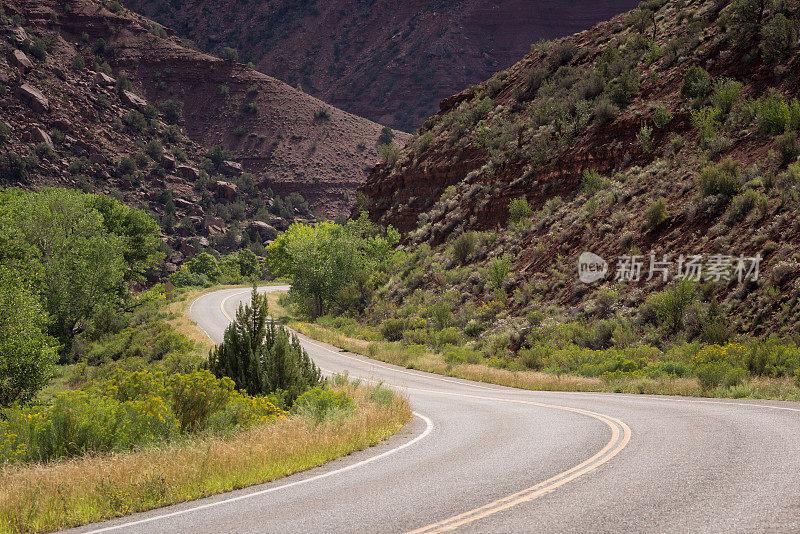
column 128, row 410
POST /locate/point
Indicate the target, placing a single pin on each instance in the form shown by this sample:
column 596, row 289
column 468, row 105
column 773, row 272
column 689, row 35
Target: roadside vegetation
column 676, row 342
column 111, row 403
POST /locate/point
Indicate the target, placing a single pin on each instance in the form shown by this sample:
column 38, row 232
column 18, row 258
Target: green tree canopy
column 75, row 250
column 27, row 354
column 331, row 265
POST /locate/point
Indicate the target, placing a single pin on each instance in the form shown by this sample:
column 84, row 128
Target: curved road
column 485, row 458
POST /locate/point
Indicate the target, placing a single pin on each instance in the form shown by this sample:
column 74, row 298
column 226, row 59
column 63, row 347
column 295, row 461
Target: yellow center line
column 620, row 437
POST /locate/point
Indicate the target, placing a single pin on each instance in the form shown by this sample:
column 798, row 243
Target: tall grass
column 44, row 497
column 416, row 357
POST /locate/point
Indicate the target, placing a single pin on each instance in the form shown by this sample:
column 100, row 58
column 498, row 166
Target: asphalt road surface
column 485, row 458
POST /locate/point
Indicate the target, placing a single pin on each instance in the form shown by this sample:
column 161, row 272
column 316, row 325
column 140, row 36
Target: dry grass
column 756, row 388
column 39, row 498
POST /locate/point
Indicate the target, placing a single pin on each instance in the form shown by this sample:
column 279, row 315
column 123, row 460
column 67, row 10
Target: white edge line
column 428, row 429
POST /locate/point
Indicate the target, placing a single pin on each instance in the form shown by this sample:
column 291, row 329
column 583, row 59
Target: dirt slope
column 276, row 132
column 615, row 149
column 388, row 61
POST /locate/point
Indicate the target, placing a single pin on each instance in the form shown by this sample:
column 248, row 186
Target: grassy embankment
column 367, row 340
column 40, row 497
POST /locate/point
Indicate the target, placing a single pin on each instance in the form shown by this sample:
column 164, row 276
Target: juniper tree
column 262, row 357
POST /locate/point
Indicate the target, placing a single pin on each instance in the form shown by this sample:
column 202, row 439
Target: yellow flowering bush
column 127, row 410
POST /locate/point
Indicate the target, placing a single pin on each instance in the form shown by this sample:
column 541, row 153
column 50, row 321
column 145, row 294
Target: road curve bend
column 484, row 458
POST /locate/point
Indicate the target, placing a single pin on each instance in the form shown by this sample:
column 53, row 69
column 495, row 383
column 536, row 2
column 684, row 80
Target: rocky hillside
column 388, row 61
column 670, row 130
column 290, row 141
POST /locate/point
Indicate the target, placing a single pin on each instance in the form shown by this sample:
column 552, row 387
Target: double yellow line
column 620, row 436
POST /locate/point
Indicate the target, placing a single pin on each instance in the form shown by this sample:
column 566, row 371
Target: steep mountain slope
column 388, row 61
column 292, row 141
column 621, row 144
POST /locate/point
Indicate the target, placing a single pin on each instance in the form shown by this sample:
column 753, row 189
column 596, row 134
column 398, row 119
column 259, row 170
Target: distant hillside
column 291, row 141
column 630, row 139
column 388, row 61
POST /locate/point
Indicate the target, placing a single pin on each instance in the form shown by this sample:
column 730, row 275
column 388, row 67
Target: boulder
column 168, row 161
column 188, row 206
column 33, row 97
column 203, row 242
column 40, row 136
column 18, row 59
column 133, row 100
column 19, row 35
column 224, row 190
column 231, row 168
column 197, row 221
column 103, row 79
column 209, row 221
column 189, row 173
column 280, row 223
column 187, row 249
column 265, row 231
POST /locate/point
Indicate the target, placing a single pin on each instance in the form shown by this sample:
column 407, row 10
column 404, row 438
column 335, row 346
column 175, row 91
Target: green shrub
column 593, row 181
column 455, row 355
column 381, row 395
column 604, row 110
column 13, row 168
column 463, row 247
column 389, row 153
column 386, row 136
column 135, row 121
column 787, row 147
column 778, row 38
column 706, row 120
column 711, row 375
column 78, row 422
column 474, row 328
column 497, row 272
column 196, row 396
column 186, row 278
column 776, row 115
column 519, row 209
column 322, row 114
column 230, row 54
column 44, row 151
column 324, row 404
column 5, row 131
column 624, row 88
column 250, row 108
column 224, row 91
column 78, row 63
column 696, row 83
column 744, row 203
column 670, row 306
column 661, row 117
column 725, row 95
column 656, row 213
column 722, row 178
column 735, row 377
column 171, row 110
column 392, row 329
column 643, row 136
column 154, row 149
column 126, row 166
